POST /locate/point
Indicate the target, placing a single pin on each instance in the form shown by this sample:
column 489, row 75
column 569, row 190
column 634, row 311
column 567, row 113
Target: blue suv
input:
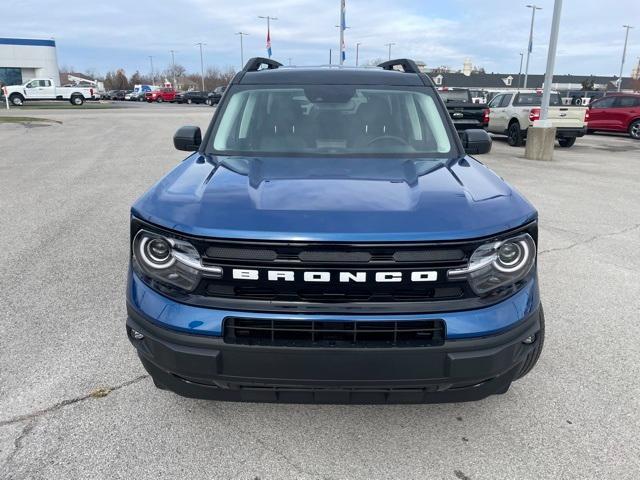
column 329, row 239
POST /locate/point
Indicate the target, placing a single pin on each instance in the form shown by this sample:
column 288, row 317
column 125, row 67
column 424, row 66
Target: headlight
column 170, row 260
column 498, row 264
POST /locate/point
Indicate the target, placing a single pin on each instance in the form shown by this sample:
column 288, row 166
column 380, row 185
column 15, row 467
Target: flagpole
column 342, row 27
column 268, row 31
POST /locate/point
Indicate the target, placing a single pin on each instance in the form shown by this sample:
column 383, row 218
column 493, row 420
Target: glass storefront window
column 10, row 76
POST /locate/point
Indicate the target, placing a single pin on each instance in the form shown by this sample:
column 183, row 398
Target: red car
column 161, row 95
column 616, row 113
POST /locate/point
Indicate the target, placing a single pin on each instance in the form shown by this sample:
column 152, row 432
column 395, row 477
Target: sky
column 110, row 34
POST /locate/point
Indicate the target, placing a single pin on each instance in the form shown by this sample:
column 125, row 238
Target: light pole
column 201, row 44
column 153, row 77
column 268, row 18
column 357, row 52
column 173, row 68
column 530, row 48
column 329, row 56
column 624, row 54
column 241, row 34
column 551, row 61
column 520, row 71
column 389, row 45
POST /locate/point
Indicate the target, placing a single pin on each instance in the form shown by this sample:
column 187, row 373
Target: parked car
column 107, row 95
column 118, row 95
column 128, row 94
column 45, row 89
column 512, row 113
column 464, row 112
column 214, row 97
column 334, row 241
column 616, row 113
column 192, row 97
column 160, row 95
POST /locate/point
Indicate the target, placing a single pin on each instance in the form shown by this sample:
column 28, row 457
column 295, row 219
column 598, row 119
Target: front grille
column 333, row 334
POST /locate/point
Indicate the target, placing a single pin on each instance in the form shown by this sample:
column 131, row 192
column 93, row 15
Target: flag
column 269, row 42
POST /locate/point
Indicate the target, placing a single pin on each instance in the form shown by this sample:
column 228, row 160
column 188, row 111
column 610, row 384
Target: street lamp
column 520, row 71
column 530, row 48
column 357, row 52
column 173, row 68
column 201, row 44
column 153, row 77
column 389, row 45
column 624, row 54
column 241, row 34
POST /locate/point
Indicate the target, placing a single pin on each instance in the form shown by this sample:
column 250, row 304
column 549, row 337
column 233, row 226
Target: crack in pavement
column 17, row 443
column 591, row 239
column 68, row 401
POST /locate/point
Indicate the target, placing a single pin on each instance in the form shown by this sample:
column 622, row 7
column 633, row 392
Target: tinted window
column 455, row 95
column 606, row 102
column 332, row 120
column 505, row 100
column 627, row 102
column 535, row 99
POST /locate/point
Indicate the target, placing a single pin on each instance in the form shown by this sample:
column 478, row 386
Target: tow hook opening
column 529, row 340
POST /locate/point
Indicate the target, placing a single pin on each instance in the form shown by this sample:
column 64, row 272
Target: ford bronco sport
column 329, row 239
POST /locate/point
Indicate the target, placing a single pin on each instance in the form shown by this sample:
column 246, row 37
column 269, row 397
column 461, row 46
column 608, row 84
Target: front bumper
column 202, row 366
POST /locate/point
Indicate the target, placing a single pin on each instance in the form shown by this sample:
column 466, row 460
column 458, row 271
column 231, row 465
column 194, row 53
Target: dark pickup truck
column 464, row 113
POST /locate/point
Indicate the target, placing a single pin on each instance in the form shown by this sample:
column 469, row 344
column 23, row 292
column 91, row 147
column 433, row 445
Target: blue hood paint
column 338, row 200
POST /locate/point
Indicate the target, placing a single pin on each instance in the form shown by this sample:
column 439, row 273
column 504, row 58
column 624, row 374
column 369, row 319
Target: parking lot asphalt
column 76, row 403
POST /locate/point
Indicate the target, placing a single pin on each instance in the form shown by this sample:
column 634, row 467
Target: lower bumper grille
column 339, row 334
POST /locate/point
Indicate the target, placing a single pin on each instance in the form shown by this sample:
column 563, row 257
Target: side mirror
column 187, row 139
column 475, row 141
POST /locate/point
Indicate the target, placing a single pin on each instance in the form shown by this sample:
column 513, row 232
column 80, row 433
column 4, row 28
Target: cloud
column 106, row 35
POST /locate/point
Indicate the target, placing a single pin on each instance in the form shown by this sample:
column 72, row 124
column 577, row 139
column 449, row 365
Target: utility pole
column 173, row 68
column 530, row 47
column 153, row 77
column 241, row 34
column 389, row 45
column 357, row 52
column 520, row 71
column 201, row 44
column 268, row 18
column 329, row 56
column 624, row 54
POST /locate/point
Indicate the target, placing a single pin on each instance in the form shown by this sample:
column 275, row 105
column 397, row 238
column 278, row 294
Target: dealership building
column 22, row 59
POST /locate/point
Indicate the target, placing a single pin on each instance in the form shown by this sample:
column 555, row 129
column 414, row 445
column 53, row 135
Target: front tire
column 209, row 102
column 634, row 130
column 76, row 100
column 534, row 355
column 567, row 142
column 514, row 135
column 159, row 100
column 16, row 99
column 189, row 101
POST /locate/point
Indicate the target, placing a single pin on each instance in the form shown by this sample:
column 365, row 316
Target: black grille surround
column 338, row 334
column 333, row 297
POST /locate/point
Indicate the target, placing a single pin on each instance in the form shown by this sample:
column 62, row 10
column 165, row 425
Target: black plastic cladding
column 440, row 297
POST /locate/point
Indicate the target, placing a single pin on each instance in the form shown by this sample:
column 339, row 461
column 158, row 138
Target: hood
column 334, row 199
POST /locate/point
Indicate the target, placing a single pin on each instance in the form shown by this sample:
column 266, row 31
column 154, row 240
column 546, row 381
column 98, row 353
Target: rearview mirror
column 475, row 141
column 187, row 138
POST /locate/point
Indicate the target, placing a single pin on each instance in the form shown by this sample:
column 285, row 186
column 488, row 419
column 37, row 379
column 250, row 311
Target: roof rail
column 254, row 64
column 408, row 66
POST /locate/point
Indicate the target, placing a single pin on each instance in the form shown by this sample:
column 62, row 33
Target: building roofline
column 32, row 42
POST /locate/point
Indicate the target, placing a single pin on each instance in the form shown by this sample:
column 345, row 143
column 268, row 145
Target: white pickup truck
column 45, row 89
column 512, row 113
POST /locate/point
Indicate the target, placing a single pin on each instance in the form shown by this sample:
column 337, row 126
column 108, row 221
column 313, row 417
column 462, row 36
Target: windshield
column 345, row 120
column 454, row 95
column 535, row 99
